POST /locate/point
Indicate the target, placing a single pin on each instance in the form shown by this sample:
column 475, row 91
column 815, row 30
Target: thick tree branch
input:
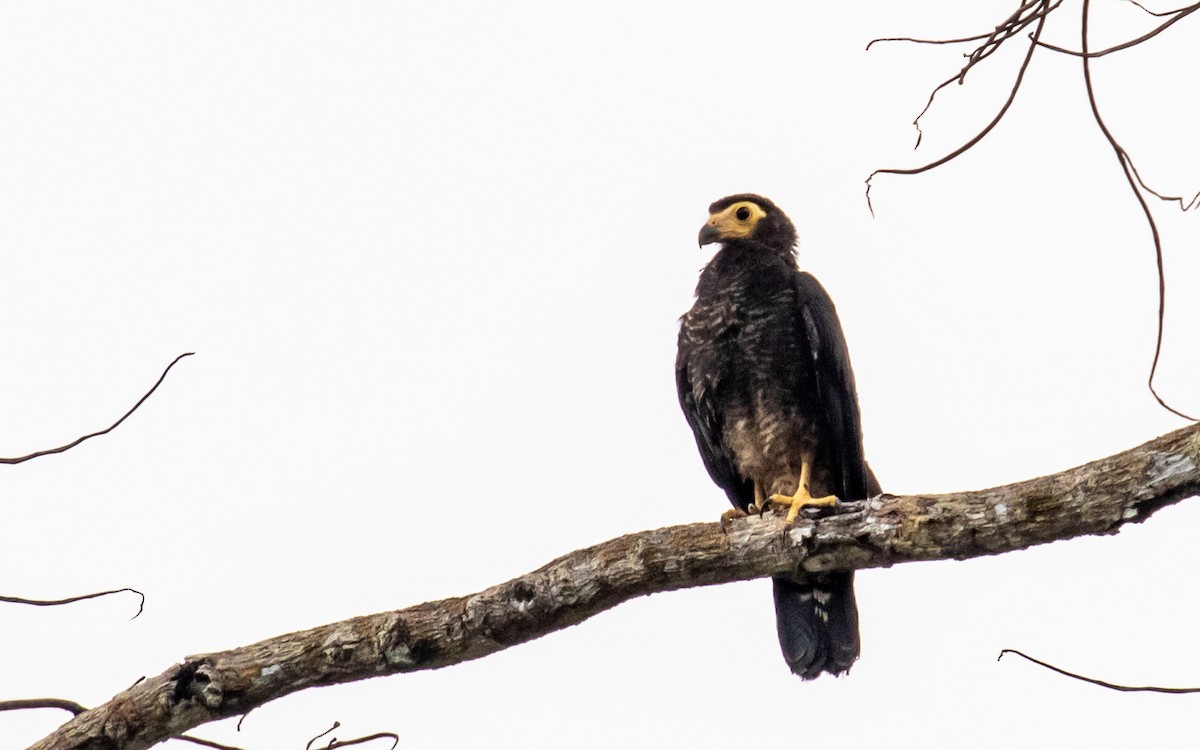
column 1097, row 498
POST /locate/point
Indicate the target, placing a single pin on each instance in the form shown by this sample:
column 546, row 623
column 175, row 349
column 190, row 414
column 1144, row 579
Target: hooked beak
column 708, row 233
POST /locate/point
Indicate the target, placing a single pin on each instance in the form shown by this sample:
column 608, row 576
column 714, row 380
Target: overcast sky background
column 431, row 259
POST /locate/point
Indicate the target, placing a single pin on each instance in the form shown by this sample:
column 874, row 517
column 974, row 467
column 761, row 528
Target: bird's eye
column 743, row 213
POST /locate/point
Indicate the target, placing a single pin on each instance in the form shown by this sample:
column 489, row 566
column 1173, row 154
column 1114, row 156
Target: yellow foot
column 731, row 514
column 800, row 500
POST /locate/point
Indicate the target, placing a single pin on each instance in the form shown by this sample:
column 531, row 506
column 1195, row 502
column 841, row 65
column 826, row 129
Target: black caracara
column 765, row 383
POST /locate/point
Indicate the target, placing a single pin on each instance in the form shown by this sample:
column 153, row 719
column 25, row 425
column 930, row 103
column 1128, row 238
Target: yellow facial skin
column 736, row 222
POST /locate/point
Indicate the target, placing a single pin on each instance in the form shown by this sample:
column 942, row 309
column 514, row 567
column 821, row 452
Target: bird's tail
column 818, row 623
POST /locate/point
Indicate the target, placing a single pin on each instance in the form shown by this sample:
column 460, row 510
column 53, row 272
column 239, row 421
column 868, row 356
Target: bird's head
column 748, row 217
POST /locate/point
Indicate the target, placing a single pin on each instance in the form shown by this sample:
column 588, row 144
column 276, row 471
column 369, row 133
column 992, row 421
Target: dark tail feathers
column 818, row 623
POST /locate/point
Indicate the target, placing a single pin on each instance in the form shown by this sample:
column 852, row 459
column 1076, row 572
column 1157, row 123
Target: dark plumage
column 765, row 383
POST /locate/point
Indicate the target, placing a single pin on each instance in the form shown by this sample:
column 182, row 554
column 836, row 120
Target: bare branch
column 1028, row 12
column 1097, row 498
column 80, row 598
column 335, row 743
column 204, row 742
column 912, row 40
column 1130, row 175
column 1160, row 14
column 105, row 431
column 395, row 738
column 1094, row 681
column 1182, row 13
column 336, row 724
column 26, row 704
column 1177, row 199
column 1045, row 8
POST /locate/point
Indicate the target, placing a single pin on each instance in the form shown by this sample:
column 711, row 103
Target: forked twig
column 335, row 743
column 1028, row 12
column 359, row 741
column 1046, row 6
column 1179, row 14
column 336, row 724
column 1177, row 199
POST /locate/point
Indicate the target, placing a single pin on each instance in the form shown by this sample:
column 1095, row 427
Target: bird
column 765, row 383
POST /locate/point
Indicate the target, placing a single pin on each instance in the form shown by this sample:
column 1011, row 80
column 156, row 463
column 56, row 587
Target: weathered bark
column 1097, row 498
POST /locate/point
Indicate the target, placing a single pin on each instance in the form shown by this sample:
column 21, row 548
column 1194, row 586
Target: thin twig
column 1178, row 199
column 1127, row 168
column 1161, row 13
column 105, row 431
column 242, row 718
column 204, row 743
column 72, row 599
column 26, row 704
column 334, row 744
column 1094, row 681
column 916, row 123
column 336, row 724
column 1182, row 13
column 960, row 40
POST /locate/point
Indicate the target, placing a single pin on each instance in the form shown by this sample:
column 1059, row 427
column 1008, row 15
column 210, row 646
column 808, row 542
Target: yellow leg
column 802, row 498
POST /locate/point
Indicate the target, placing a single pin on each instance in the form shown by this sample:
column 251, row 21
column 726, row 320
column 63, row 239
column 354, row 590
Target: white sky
column 431, row 258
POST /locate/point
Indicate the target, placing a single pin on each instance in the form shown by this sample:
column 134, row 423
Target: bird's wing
column 699, row 408
column 835, row 384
